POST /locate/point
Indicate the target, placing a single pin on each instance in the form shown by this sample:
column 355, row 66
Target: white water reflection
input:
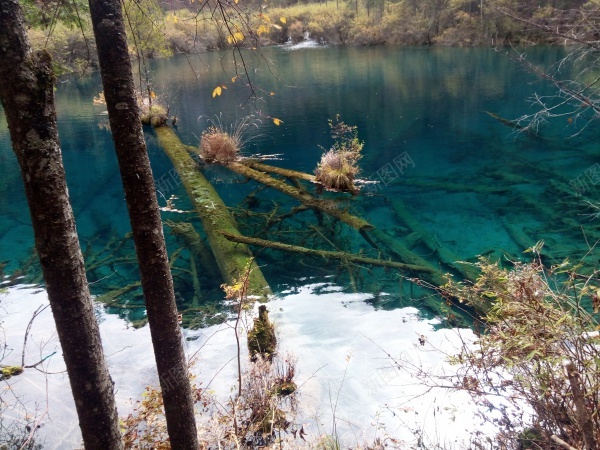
column 339, row 340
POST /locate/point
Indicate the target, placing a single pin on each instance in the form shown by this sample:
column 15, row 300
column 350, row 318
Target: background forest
column 160, row 28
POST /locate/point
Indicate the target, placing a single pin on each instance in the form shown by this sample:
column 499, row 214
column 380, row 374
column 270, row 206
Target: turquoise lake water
column 468, row 182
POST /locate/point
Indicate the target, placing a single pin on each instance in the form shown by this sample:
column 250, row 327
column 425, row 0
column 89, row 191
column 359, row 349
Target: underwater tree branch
column 343, row 256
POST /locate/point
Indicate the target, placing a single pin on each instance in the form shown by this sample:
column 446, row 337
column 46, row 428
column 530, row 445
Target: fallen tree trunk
column 343, row 256
column 467, row 271
column 196, row 245
column 279, row 171
column 233, row 260
column 503, row 121
column 322, row 205
column 397, row 248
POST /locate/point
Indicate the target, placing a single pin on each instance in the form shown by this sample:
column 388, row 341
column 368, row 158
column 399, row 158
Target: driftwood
column 324, row 206
column 233, row 260
column 343, row 256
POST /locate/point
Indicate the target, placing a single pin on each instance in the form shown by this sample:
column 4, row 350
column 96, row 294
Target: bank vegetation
column 162, row 28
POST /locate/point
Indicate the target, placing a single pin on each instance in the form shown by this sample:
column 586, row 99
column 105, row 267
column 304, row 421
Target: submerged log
column 398, row 249
column 197, row 247
column 113, row 298
column 324, row 206
column 452, row 187
column 448, row 258
column 507, row 122
column 233, row 260
column 343, row 256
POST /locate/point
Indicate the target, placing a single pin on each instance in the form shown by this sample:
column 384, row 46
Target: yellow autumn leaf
column 152, row 94
column 272, row 93
column 236, row 1
column 236, row 37
column 282, row 20
column 233, row 79
column 277, row 121
column 175, row 19
column 217, row 91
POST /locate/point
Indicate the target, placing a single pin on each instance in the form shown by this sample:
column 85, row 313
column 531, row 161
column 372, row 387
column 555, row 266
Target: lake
column 453, row 182
column 431, row 120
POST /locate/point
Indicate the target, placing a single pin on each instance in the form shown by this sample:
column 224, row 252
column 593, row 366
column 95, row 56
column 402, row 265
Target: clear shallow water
column 467, row 180
column 343, row 370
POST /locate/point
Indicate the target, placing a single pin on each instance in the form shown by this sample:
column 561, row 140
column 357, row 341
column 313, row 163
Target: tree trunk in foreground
column 144, row 215
column 27, row 95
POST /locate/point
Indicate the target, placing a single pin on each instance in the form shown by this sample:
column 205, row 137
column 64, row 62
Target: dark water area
column 452, row 179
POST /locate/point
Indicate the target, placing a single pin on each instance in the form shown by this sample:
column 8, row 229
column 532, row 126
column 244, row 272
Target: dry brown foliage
column 540, row 350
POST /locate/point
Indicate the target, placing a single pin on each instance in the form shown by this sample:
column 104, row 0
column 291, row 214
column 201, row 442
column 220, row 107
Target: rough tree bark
column 27, row 95
column 144, row 215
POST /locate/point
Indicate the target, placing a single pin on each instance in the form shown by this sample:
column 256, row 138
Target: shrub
column 189, row 32
column 295, row 31
column 338, row 166
column 325, row 22
column 71, row 49
column 365, row 32
column 538, row 350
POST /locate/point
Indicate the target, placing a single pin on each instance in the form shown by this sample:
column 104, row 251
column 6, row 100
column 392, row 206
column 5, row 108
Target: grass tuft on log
column 221, row 144
column 338, row 167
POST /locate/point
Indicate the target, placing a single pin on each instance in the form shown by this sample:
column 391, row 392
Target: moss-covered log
column 113, row 298
column 197, row 247
column 342, row 256
column 232, row 259
column 279, row 171
column 7, row 372
column 325, row 206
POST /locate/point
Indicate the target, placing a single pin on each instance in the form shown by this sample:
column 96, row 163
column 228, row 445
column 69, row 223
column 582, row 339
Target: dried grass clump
column 219, row 146
column 223, row 144
column 338, row 167
column 264, row 411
